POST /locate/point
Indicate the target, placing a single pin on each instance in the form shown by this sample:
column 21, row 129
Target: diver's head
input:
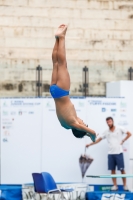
column 78, row 134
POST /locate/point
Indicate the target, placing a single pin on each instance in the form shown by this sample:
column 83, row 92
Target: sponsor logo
column 7, row 127
column 20, row 112
column 105, row 188
column 113, row 110
column 38, row 103
column 5, row 140
column 31, row 112
column 123, row 123
column 81, row 104
column 123, row 104
column 13, row 113
column 113, row 196
column 99, row 102
column 5, row 104
column 7, row 123
column 5, row 113
column 17, row 103
column 22, row 103
column 123, row 110
column 103, row 109
column 123, row 115
column 6, row 133
column 48, row 105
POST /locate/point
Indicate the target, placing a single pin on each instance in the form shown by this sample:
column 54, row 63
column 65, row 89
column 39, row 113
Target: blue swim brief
column 58, row 92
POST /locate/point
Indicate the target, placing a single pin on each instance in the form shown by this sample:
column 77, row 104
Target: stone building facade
column 100, row 36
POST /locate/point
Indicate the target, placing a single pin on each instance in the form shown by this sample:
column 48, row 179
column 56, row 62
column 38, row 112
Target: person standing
column 114, row 136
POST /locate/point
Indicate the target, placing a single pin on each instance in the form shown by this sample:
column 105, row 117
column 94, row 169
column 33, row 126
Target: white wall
column 21, row 130
column 37, row 142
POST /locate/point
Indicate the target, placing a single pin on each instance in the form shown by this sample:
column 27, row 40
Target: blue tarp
column 11, row 192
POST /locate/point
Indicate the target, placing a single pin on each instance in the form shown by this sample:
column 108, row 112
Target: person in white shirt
column 114, row 136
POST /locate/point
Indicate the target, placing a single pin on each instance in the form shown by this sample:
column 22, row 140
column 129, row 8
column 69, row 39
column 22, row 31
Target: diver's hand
column 88, row 145
column 97, row 141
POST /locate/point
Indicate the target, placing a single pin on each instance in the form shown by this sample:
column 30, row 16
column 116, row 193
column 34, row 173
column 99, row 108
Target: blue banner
column 109, row 195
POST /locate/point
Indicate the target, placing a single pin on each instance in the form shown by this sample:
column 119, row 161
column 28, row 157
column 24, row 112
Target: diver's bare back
column 66, row 112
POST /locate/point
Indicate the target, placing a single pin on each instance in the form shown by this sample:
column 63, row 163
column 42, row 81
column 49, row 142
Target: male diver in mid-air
column 59, row 89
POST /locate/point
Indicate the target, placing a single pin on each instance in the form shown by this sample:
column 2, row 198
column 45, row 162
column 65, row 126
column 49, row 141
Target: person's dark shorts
column 115, row 160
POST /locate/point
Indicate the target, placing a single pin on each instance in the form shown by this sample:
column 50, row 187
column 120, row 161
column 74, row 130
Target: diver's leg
column 55, row 63
column 63, row 78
